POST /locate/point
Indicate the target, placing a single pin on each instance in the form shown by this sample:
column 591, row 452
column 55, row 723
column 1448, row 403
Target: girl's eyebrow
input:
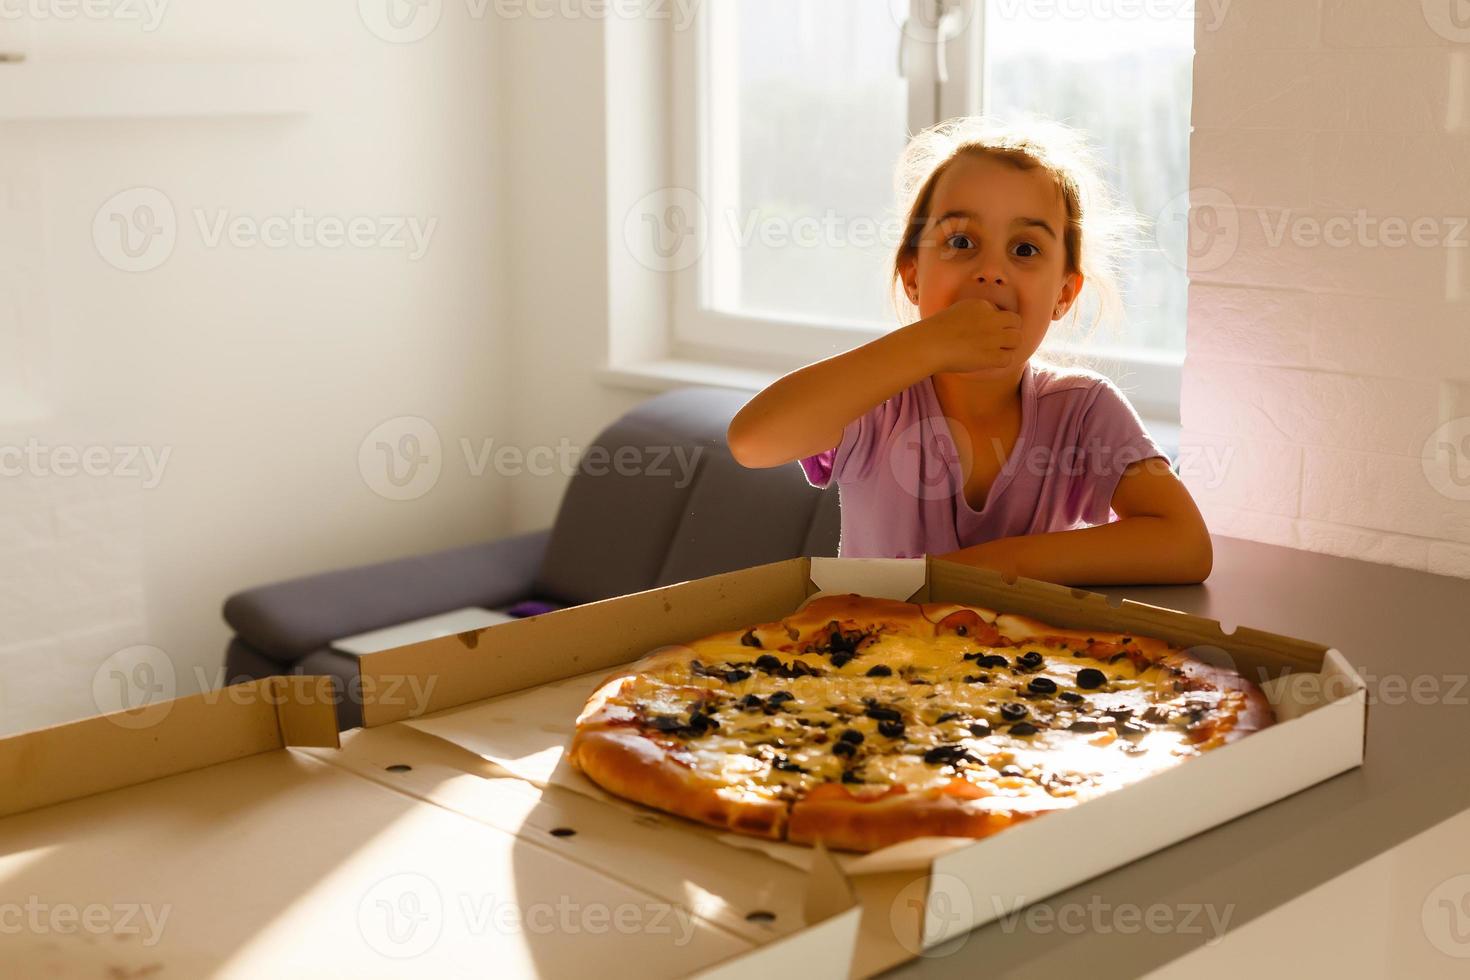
column 1027, row 222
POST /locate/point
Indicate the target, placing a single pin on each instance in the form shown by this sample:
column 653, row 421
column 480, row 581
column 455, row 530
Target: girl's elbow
column 742, row 453
column 1201, row 559
column 735, row 441
column 746, row 451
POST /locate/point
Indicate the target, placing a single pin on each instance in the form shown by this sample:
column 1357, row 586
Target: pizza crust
column 1255, row 711
column 845, row 822
column 633, row 766
column 1100, row 644
column 850, row 610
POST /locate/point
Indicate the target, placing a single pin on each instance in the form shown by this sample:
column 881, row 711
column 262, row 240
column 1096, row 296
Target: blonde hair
column 1099, row 227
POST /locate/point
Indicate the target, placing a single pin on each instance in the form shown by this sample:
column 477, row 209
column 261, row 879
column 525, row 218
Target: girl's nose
column 988, row 269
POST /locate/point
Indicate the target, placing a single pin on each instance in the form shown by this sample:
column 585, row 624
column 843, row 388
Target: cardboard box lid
column 442, row 673
column 122, row 748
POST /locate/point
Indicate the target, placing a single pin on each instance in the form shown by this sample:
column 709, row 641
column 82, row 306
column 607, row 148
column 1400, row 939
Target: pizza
column 860, row 722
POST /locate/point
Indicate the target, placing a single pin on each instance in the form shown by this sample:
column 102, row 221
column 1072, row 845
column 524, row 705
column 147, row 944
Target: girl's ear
column 908, row 271
column 1069, row 292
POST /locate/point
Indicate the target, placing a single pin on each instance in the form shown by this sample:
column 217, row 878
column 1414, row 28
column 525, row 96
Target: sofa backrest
column 658, row 499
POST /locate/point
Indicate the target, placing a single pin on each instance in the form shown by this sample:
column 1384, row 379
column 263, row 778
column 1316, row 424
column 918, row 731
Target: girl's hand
column 969, row 335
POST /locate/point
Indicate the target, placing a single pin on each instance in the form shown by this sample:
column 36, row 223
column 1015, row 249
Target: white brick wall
column 1329, row 312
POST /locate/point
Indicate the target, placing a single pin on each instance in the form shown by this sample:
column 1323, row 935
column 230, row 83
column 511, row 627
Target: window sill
column 668, row 373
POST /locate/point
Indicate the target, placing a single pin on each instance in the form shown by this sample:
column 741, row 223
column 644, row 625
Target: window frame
column 785, row 343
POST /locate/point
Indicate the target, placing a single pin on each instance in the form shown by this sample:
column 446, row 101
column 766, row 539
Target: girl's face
column 995, row 233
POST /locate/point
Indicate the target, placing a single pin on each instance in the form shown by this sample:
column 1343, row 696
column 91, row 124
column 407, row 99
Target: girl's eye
column 962, row 241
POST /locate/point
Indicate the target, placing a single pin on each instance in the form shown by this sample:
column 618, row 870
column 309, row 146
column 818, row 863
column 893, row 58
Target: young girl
column 945, row 436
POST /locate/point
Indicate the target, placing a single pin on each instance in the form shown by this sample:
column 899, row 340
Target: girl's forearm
column 806, row 411
column 1129, row 551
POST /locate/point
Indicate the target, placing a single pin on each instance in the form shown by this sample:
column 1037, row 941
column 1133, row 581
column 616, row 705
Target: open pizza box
column 508, row 696
column 448, row 836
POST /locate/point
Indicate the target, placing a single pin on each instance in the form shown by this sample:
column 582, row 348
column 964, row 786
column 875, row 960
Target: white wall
column 260, row 370
column 1334, row 368
column 581, row 146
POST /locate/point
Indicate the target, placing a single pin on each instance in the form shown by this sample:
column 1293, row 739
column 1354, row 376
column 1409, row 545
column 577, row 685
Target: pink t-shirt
column 899, row 475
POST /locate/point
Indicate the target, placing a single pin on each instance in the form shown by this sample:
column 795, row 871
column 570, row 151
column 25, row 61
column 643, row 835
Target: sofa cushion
column 823, row 535
column 617, row 520
column 738, row 517
column 287, row 620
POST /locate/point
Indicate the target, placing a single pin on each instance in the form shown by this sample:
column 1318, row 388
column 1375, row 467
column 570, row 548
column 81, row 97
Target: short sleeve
column 862, row 439
column 1113, row 437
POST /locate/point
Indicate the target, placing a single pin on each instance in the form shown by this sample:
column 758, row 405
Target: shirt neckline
column 1007, row 471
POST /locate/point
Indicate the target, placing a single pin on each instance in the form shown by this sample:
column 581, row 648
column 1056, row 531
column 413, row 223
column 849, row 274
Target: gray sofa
column 619, row 529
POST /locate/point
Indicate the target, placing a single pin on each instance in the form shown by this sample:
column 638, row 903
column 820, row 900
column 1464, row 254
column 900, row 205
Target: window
column 790, row 115
column 1126, row 82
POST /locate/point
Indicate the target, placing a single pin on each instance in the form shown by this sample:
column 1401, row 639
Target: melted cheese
column 786, row 752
